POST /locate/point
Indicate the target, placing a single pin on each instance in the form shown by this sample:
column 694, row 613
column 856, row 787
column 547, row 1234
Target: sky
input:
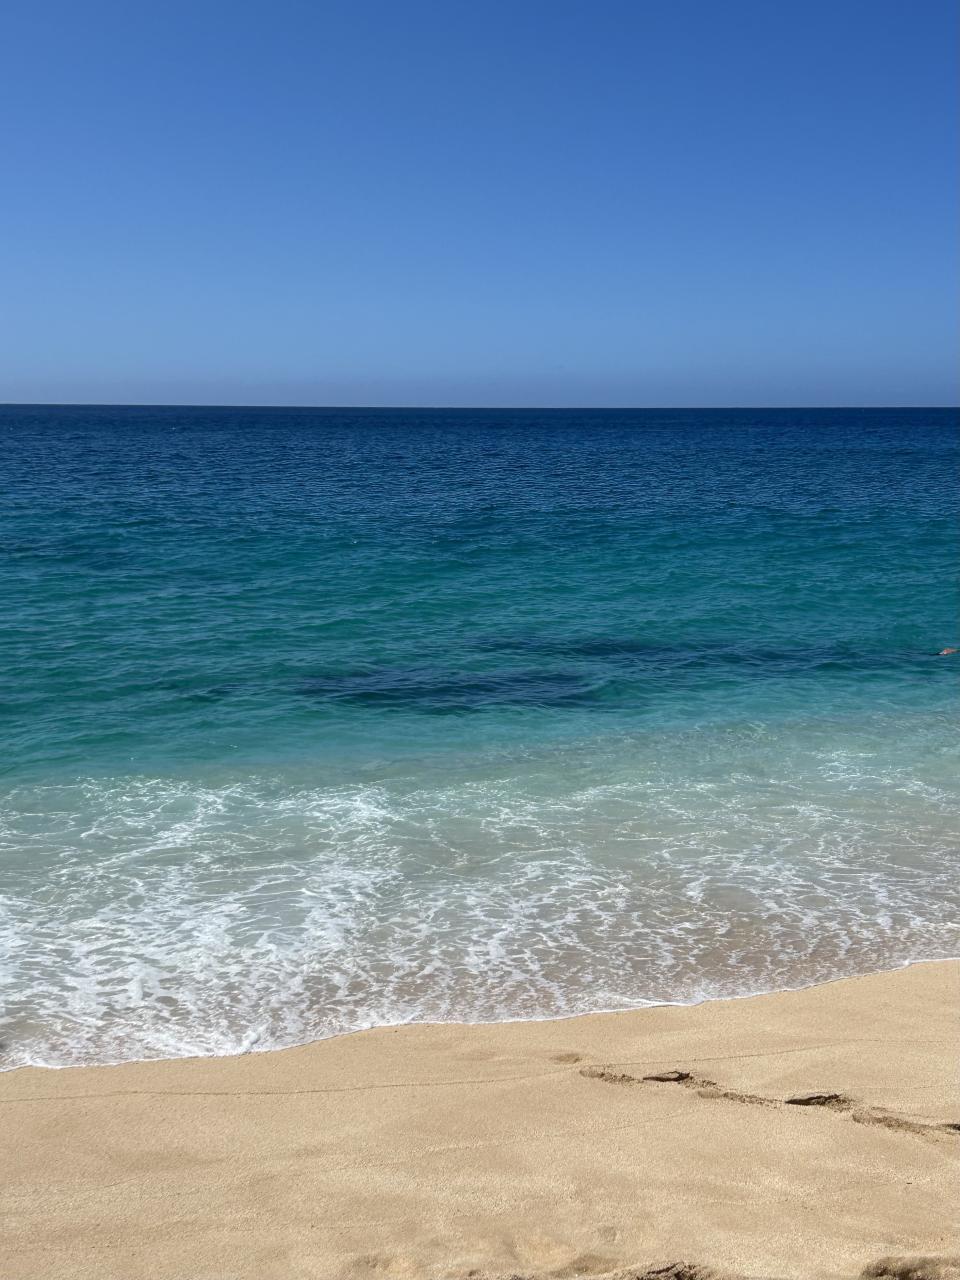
column 503, row 202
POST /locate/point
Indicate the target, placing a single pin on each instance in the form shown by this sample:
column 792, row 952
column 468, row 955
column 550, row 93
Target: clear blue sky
column 516, row 202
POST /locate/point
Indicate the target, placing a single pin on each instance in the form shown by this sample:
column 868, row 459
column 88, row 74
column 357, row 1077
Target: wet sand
column 521, row 1150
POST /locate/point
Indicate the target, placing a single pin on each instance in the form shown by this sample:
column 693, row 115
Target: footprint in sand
column 913, row 1268
column 837, row 1102
column 919, row 1268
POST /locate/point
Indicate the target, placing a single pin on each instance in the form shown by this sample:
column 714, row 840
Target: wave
column 177, row 916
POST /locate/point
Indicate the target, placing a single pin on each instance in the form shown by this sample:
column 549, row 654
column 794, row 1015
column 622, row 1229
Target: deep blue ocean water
column 318, row 719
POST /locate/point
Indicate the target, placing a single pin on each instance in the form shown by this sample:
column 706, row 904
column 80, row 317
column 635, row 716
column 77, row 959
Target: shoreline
column 532, row 1148
column 498, row 1022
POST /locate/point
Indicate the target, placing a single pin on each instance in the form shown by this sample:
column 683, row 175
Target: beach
column 479, row 790
column 533, row 1149
column 390, row 793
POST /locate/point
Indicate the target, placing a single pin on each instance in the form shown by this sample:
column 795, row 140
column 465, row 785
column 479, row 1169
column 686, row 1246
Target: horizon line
column 466, row 408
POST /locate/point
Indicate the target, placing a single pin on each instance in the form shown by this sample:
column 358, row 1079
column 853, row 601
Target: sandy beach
column 518, row 1150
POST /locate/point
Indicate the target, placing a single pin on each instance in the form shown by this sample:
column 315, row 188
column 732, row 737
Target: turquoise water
column 314, row 720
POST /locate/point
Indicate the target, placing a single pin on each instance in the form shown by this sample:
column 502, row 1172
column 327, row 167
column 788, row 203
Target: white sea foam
column 146, row 918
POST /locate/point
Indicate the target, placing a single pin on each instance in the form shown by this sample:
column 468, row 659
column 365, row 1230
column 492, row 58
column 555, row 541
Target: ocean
column 315, row 720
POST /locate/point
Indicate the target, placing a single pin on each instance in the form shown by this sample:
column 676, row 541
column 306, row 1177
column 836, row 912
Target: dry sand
column 528, row 1149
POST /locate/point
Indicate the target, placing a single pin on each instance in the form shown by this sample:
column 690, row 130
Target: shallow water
column 320, row 719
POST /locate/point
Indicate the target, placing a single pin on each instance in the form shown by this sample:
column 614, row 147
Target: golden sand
column 525, row 1149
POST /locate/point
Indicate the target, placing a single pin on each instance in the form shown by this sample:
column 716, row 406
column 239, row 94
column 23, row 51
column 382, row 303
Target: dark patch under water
column 613, row 673
column 441, row 692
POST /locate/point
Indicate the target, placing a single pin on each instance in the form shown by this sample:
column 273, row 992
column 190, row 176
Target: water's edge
column 498, row 1022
